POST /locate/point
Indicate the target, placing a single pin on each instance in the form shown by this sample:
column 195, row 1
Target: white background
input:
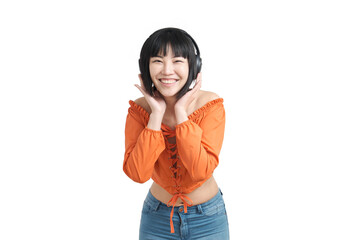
column 289, row 75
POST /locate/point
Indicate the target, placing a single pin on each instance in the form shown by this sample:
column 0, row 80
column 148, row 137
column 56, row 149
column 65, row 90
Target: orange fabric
column 183, row 166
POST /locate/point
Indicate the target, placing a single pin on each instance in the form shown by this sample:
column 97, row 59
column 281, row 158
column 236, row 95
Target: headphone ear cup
column 198, row 65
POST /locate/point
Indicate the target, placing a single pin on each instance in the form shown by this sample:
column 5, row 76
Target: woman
column 174, row 135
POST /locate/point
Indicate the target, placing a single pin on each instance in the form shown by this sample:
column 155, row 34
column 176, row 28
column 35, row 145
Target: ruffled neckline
column 191, row 116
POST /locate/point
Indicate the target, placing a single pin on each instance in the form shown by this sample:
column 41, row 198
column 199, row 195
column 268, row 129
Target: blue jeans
column 206, row 221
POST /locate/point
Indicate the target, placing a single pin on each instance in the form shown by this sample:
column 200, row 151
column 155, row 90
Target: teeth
column 168, row 81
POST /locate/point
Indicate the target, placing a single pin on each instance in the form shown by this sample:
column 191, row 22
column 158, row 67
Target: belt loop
column 221, row 192
column 156, row 206
column 199, row 208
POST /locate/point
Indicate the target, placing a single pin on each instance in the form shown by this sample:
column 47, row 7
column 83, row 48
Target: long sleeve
column 199, row 145
column 143, row 147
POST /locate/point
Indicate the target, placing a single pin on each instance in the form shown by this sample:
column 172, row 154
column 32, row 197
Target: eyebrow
column 163, row 56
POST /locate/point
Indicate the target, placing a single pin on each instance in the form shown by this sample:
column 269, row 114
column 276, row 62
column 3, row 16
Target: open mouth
column 168, row 81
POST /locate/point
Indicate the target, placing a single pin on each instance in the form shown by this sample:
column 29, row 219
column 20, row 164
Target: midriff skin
column 200, row 195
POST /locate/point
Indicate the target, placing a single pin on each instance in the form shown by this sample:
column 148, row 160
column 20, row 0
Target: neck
column 170, row 102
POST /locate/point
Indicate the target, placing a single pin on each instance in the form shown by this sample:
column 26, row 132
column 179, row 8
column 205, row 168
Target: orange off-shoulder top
column 180, row 167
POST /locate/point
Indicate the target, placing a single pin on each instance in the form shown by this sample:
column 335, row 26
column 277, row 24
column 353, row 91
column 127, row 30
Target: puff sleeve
column 143, row 147
column 199, row 144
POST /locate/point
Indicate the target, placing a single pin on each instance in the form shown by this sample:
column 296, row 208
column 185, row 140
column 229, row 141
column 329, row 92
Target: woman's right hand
column 156, row 103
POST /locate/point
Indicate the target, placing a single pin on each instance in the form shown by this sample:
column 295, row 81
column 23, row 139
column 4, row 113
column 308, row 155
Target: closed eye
column 179, row 59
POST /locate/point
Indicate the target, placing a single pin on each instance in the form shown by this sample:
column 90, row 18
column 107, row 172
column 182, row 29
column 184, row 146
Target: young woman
column 174, row 135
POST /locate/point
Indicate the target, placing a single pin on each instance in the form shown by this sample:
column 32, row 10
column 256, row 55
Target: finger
column 198, row 81
column 141, row 81
column 197, row 86
column 194, row 90
column 141, row 89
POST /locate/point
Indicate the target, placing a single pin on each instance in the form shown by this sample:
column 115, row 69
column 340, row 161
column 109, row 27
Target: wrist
column 159, row 114
column 179, row 110
column 181, row 116
column 155, row 120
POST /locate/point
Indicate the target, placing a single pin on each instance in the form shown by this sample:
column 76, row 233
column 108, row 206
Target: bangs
column 180, row 45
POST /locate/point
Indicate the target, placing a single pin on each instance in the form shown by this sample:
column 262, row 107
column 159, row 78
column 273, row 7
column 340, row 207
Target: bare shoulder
column 143, row 103
column 205, row 97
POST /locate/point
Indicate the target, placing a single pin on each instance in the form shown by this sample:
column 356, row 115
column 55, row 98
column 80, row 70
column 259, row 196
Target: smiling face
column 168, row 54
column 169, row 73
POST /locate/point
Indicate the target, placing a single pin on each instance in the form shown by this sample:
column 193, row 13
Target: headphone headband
column 193, row 41
column 198, row 60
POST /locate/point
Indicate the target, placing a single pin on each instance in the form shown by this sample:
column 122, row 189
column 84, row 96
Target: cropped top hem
column 187, row 190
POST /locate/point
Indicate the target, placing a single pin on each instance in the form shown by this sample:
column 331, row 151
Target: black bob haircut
column 182, row 45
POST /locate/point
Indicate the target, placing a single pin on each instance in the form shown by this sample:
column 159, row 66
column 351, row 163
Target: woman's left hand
column 183, row 103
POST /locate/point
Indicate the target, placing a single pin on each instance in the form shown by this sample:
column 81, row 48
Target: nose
column 168, row 68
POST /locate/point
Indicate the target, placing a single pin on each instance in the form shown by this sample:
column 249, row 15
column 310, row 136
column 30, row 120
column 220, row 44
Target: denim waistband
column 156, row 204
